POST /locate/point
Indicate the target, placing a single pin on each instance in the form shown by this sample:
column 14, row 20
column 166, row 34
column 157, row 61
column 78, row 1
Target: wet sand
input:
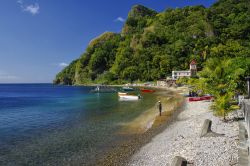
column 134, row 136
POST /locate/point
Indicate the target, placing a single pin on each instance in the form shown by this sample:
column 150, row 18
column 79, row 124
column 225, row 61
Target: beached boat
column 200, row 98
column 147, row 90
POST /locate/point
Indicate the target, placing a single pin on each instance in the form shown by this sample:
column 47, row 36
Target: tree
column 130, row 73
column 157, row 43
column 219, row 78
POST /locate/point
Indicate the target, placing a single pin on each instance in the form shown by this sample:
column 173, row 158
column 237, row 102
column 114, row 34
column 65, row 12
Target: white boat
column 129, row 97
column 125, row 96
column 103, row 89
column 122, row 93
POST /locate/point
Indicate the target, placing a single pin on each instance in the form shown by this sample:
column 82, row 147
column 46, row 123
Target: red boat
column 200, row 98
column 147, row 90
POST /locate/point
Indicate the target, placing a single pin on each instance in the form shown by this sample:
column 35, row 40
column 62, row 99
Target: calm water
column 42, row 124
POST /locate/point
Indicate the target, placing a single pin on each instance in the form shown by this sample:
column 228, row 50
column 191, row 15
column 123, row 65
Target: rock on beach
column 182, row 138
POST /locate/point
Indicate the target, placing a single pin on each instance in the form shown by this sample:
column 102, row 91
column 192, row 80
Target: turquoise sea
column 43, row 124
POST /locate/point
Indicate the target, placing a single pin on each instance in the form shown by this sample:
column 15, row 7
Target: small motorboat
column 122, row 93
column 126, row 96
column 127, row 89
column 103, row 89
column 147, row 90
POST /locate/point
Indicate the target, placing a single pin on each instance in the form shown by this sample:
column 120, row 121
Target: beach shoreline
column 170, row 102
column 137, row 138
column 182, row 138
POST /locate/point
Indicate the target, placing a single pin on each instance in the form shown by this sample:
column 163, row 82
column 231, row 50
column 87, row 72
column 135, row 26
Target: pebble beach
column 182, row 138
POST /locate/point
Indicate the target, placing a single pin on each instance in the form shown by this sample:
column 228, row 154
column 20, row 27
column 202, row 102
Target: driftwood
column 206, row 130
column 179, row 161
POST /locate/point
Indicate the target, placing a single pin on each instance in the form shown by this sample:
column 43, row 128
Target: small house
column 187, row 73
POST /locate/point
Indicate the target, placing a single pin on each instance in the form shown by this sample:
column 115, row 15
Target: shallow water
column 42, row 124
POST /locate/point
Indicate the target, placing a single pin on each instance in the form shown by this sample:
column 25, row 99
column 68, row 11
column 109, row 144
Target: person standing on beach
column 159, row 107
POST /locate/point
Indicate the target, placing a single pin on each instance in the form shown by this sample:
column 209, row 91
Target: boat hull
column 126, row 96
column 147, row 90
column 129, row 97
column 128, row 89
column 200, row 98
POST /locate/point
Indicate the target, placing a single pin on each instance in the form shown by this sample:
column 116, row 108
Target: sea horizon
column 27, row 83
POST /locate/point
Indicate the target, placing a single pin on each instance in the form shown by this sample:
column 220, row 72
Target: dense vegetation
column 153, row 44
column 221, row 77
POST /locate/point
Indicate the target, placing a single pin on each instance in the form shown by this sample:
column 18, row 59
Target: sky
column 38, row 38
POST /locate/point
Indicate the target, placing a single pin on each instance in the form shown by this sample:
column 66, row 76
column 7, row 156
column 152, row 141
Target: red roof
column 193, row 62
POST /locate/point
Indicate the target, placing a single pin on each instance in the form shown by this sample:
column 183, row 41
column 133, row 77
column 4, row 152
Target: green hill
column 153, row 44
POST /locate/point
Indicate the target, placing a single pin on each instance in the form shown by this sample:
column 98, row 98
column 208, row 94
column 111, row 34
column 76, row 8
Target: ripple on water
column 62, row 125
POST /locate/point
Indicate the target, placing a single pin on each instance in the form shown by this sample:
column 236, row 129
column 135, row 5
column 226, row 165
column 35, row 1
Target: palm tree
column 220, row 77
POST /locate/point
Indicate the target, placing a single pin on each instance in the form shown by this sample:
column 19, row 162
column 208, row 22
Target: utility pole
column 248, row 86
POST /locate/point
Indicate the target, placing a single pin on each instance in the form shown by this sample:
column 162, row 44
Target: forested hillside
column 153, row 44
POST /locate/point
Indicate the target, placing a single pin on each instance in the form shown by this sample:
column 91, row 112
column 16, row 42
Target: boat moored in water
column 122, row 93
column 126, row 96
column 127, row 89
column 103, row 89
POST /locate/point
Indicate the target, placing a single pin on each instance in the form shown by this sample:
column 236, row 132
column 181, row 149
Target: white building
column 188, row 73
column 179, row 74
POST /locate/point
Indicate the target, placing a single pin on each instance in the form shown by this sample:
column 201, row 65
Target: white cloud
column 32, row 8
column 63, row 64
column 120, row 19
column 20, row 2
column 4, row 76
column 8, row 77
